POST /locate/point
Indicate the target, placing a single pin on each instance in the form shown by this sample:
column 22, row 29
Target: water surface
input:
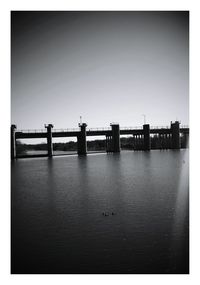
column 58, row 224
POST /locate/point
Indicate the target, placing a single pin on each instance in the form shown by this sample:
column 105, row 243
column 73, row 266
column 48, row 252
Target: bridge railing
column 98, row 129
column 159, row 127
column 131, row 128
column 32, row 131
column 65, row 130
column 95, row 129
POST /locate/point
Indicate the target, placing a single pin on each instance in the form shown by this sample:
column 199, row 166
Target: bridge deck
column 99, row 132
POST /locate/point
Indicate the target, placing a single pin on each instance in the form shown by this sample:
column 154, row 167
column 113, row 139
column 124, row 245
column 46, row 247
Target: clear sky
column 104, row 66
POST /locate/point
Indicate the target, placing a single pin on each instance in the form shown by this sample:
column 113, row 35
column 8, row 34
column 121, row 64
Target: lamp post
column 144, row 118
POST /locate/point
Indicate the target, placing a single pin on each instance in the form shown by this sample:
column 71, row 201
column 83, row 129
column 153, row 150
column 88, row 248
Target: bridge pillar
column 49, row 139
column 115, row 138
column 81, row 140
column 134, row 142
column 13, row 141
column 175, row 130
column 185, row 140
column 147, row 139
column 108, row 143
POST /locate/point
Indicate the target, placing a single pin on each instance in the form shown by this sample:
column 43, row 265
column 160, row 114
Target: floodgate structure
column 144, row 138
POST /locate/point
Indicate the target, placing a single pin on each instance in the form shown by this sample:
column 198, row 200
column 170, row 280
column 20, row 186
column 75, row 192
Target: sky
column 104, row 66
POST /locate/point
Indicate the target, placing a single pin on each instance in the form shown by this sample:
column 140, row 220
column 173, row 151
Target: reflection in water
column 57, row 220
column 180, row 230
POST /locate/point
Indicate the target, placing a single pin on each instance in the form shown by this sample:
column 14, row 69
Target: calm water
column 57, row 206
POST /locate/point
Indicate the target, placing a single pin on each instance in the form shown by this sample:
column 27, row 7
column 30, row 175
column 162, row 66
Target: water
column 35, row 153
column 57, row 220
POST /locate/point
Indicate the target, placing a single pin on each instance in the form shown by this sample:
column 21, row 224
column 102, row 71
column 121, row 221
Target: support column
column 147, row 139
column 115, row 138
column 13, row 141
column 136, row 142
column 168, row 145
column 175, row 130
column 140, row 142
column 187, row 141
column 108, row 143
column 133, row 142
column 49, row 139
column 81, row 140
column 160, row 140
column 164, row 141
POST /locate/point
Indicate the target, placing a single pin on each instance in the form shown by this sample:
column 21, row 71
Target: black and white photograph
column 99, row 142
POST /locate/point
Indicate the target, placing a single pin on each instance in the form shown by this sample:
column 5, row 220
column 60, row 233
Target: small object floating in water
column 106, row 214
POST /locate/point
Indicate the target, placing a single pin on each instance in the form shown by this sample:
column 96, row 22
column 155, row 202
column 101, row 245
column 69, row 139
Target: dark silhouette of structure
column 13, row 141
column 144, row 138
column 81, row 139
column 49, row 139
column 115, row 138
column 176, row 143
column 147, row 139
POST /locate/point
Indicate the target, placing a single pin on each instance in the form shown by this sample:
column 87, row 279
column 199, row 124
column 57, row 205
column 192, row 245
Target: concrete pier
column 81, row 140
column 13, row 141
column 175, row 130
column 185, row 141
column 147, row 139
column 115, row 137
column 49, row 139
column 109, row 147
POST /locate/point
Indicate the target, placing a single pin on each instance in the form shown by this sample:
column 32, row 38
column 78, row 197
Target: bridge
column 173, row 137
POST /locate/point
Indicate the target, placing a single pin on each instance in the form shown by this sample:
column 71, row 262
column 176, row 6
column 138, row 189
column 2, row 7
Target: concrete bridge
column 143, row 136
